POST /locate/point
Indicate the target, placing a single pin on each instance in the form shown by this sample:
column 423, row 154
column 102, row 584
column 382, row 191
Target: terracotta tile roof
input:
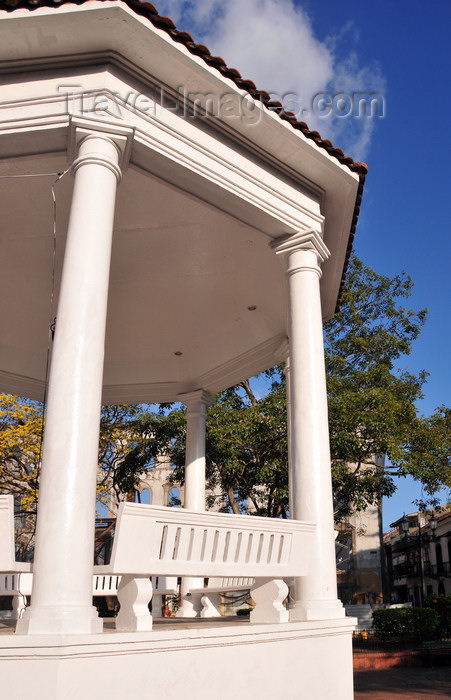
column 148, row 10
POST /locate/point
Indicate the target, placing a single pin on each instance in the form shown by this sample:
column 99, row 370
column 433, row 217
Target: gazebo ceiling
column 197, row 298
column 194, row 292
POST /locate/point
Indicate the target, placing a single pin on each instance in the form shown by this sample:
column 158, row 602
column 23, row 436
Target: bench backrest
column 8, row 561
column 230, row 583
column 7, row 546
column 16, row 584
column 174, row 541
column 105, row 584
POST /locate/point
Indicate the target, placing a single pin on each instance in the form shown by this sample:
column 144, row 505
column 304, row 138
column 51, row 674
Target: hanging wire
column 13, row 177
column 52, row 318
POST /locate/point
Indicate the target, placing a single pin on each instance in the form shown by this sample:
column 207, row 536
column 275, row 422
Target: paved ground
column 403, row 683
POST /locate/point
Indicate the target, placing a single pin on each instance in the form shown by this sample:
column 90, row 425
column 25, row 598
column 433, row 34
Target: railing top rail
column 212, row 519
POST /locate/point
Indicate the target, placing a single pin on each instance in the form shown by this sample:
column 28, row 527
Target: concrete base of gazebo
column 198, row 662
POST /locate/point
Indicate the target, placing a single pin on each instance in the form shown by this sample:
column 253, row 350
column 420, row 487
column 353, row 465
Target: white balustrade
column 161, row 541
column 8, row 561
column 154, row 545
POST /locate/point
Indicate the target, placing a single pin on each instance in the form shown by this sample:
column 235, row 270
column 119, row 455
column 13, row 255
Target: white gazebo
column 185, row 233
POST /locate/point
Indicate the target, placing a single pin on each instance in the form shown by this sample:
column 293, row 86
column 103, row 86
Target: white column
column 62, row 582
column 292, row 594
column 431, row 551
column 444, row 547
column 196, row 403
column 290, row 458
column 315, row 595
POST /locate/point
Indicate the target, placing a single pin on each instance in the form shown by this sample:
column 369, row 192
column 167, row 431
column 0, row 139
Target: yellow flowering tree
column 20, row 448
column 21, row 430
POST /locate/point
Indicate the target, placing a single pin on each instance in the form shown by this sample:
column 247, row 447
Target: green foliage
column 131, row 438
column 389, row 623
column 247, row 450
column 416, row 623
column 244, row 612
column 428, row 455
column 424, row 623
column 372, row 407
column 21, row 425
column 441, row 604
column 372, row 412
column 246, row 447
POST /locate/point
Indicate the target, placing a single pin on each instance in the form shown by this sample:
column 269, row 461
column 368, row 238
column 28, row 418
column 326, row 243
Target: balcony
column 406, row 569
column 443, row 569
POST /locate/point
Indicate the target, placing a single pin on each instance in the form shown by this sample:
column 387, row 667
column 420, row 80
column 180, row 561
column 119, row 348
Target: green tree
column 21, row 424
column 372, row 400
column 247, row 462
column 372, row 409
column 428, row 457
column 246, row 446
column 118, row 438
column 372, row 412
column 21, row 435
column 131, row 438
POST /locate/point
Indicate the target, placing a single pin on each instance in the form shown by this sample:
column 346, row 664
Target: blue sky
column 406, row 213
column 400, row 50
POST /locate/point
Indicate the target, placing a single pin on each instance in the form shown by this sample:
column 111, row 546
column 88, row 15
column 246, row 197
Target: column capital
column 301, row 240
column 195, row 399
column 80, row 130
column 283, row 349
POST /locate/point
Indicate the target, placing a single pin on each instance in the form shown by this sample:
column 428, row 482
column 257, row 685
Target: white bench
column 108, row 584
column 8, row 563
column 19, row 585
column 154, row 541
column 16, row 578
column 210, row 594
column 177, row 542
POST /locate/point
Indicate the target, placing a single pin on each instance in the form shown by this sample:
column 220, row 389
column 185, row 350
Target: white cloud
column 272, row 42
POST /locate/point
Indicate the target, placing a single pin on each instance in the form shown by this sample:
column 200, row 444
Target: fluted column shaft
column 62, row 582
column 196, row 403
column 315, row 595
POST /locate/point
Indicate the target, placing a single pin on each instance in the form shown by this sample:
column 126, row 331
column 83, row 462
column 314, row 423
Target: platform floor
column 166, row 623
